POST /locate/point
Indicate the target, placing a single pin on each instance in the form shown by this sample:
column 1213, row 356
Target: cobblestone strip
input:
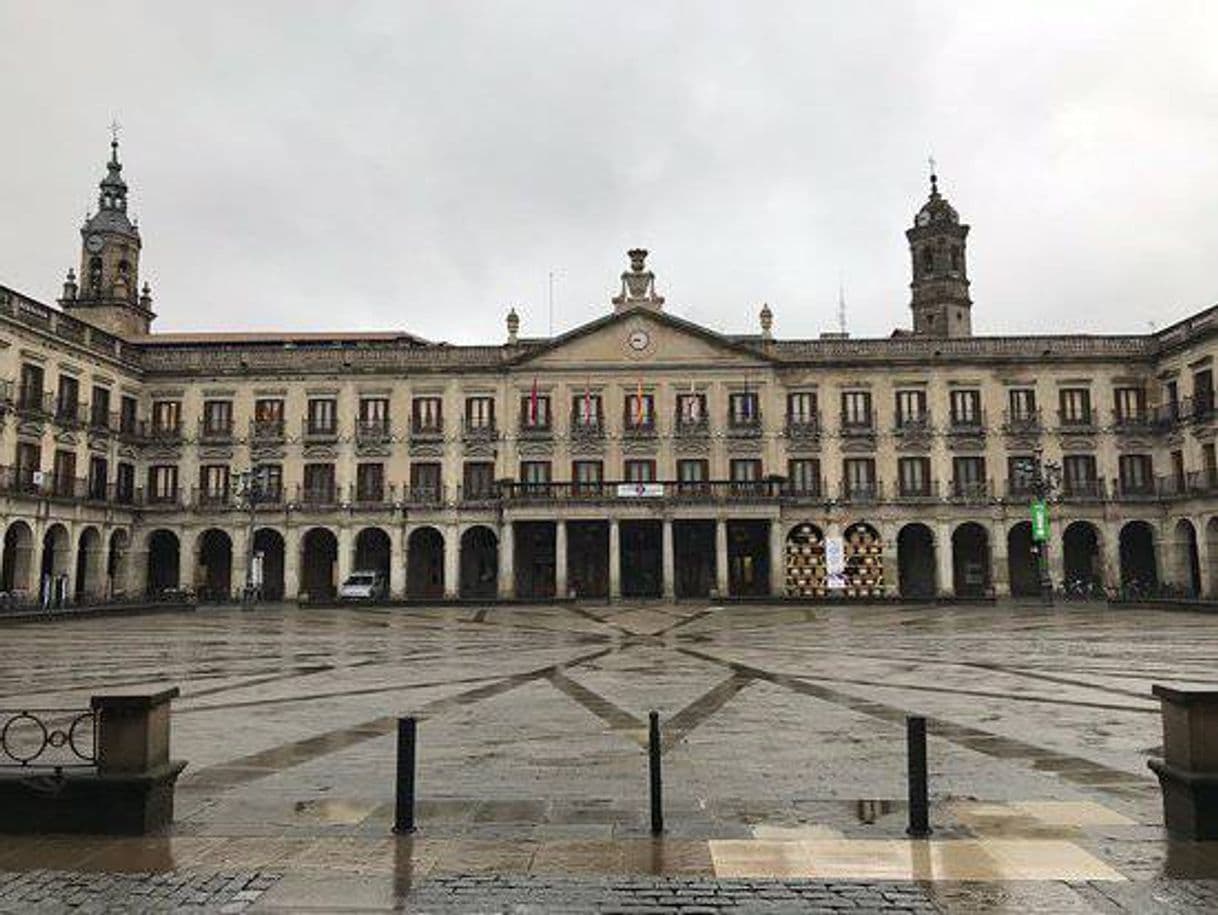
column 43, row 892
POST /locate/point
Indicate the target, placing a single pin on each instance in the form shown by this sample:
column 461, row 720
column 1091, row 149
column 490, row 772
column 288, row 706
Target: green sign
column 1040, row 522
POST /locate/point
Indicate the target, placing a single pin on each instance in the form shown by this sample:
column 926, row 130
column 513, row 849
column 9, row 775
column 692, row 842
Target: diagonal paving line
column 616, row 717
column 702, row 708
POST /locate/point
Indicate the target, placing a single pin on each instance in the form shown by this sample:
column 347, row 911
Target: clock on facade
column 638, row 339
column 95, row 243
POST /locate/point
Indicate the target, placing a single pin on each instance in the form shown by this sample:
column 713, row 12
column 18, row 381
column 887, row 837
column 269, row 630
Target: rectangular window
column 640, row 412
column 803, row 476
column 128, row 411
column 479, row 413
column 693, row 473
column 968, row 477
column 535, row 473
column 478, row 480
column 99, row 478
column 745, row 472
column 322, row 416
column 858, row 478
column 802, row 408
column 587, row 475
column 29, row 397
column 1078, row 475
column 691, row 410
column 1177, row 470
column 268, row 418
column 586, row 411
column 911, row 408
column 166, row 417
column 271, row 483
column 1129, row 405
column 99, row 409
column 373, row 417
column 1020, row 474
column 68, row 400
column 1021, row 405
column 966, row 407
column 856, row 409
column 744, row 409
column 426, row 481
column 1136, row 474
column 29, row 462
column 427, row 415
column 640, row 471
column 64, row 472
column 1075, row 406
column 1171, row 392
column 370, row 483
column 914, row 476
column 163, row 483
column 213, row 483
column 1203, row 392
column 535, row 411
column 124, row 483
column 319, row 483
column 1209, row 462
column 217, row 418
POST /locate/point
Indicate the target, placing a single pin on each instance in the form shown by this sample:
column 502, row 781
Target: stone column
column 1001, row 568
column 560, row 559
column 1203, row 558
column 1057, row 564
column 241, row 542
column 291, row 563
column 615, row 560
column 346, row 552
column 452, row 562
column 943, row 560
column 778, row 560
column 186, row 559
column 721, row 576
column 397, row 562
column 1110, row 550
column 668, row 563
column 507, row 562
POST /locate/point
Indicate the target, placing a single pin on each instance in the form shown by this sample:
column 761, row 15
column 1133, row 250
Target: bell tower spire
column 940, row 302
column 108, row 293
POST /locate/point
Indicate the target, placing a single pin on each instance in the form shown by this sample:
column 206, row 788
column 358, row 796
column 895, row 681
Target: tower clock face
column 94, row 243
column 638, row 339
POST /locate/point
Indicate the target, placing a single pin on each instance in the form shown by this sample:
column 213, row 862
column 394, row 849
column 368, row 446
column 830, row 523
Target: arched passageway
column 1187, row 561
column 164, row 557
column 805, row 561
column 425, row 563
column 479, row 563
column 864, row 549
column 1211, row 537
column 117, row 563
column 916, row 561
column 269, row 545
column 56, row 563
column 89, row 566
column 372, row 553
column 1023, row 561
column 1082, row 560
column 1137, row 550
column 319, row 555
column 15, row 569
column 214, row 576
column 970, row 560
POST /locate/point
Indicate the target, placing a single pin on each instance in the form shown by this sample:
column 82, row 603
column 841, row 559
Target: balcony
column 967, row 426
column 688, row 427
column 164, row 432
column 424, row 494
column 34, row 402
column 25, row 481
column 422, row 430
column 473, row 495
column 803, row 431
column 858, row 434
column 639, row 430
column 1203, row 408
column 317, row 496
column 643, row 493
column 372, row 495
column 541, row 430
column 71, row 414
column 372, row 431
column 101, row 420
column 1135, row 490
column 913, row 432
column 478, row 431
column 267, row 431
column 1190, row 485
column 971, row 492
column 744, row 426
column 316, row 430
column 1141, row 422
column 1072, row 423
column 206, row 499
column 803, row 492
column 166, row 498
column 216, row 431
column 1016, row 422
column 1086, row 490
column 912, row 493
column 861, row 493
column 1019, row 491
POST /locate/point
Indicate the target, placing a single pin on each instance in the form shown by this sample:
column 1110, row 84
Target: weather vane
column 931, row 161
column 115, row 127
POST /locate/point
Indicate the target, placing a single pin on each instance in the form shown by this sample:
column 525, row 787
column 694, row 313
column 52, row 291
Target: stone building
column 637, row 455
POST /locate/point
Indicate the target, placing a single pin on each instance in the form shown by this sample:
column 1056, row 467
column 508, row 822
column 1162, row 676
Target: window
column 535, row 473
column 955, row 253
column 272, row 482
column 856, row 409
column 1075, row 406
column 163, row 483
column 1129, row 405
column 640, row 471
column 370, row 483
column 1021, row 405
column 640, row 411
column 928, row 260
column 64, row 472
column 1177, row 470
column 213, row 482
column 166, row 417
column 319, row 482
column 95, row 272
column 29, row 462
column 802, row 408
column 99, row 409
column 124, row 483
column 911, row 408
column 586, row 411
column 1209, row 461
column 1078, row 475
column 913, row 474
column 691, row 410
column 535, row 411
column 478, row 480
column 374, row 416
column 1203, row 392
column 966, row 407
column 1020, row 480
column 426, row 415
column 127, row 413
column 268, row 418
column 1172, row 394
column 745, row 471
column 426, row 482
column 99, row 478
column 217, row 418
column 587, row 475
column 968, row 477
column 322, row 416
column 858, row 478
column 479, row 413
column 744, row 409
column 68, row 398
column 30, row 395
column 693, row 473
column 1136, row 473
column 803, row 476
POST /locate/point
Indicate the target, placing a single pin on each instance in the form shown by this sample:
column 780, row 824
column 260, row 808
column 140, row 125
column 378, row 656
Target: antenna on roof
column 841, row 305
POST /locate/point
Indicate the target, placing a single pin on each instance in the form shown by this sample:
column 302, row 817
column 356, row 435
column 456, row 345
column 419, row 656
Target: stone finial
column 146, row 297
column 638, row 284
column 513, row 326
column 767, row 321
column 69, row 286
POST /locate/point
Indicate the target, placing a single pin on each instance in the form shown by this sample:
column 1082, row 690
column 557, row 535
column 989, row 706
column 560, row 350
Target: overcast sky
column 423, row 166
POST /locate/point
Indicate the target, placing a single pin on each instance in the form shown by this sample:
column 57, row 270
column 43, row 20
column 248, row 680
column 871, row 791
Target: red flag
column 638, row 404
column 533, row 403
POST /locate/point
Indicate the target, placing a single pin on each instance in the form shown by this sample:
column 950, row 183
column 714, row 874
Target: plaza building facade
column 639, row 455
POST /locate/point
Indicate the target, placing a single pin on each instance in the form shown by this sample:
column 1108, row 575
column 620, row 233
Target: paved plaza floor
column 784, row 763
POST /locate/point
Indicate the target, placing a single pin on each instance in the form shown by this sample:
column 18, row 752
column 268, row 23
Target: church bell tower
column 940, row 302
column 108, row 294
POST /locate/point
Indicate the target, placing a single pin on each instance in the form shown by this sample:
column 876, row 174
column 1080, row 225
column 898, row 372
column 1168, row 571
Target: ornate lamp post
column 1042, row 479
column 251, row 489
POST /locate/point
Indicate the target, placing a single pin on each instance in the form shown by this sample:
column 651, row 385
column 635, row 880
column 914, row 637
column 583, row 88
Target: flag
column 533, row 403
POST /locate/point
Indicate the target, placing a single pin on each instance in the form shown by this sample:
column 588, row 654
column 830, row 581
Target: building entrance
column 642, row 569
column 694, row 554
column 588, row 558
column 534, row 559
column 748, row 558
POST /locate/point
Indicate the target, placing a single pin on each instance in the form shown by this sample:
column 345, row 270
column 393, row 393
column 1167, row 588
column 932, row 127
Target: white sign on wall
column 835, row 562
column 640, row 490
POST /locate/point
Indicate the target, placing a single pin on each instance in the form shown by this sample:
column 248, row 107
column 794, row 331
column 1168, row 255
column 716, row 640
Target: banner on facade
column 640, row 490
column 835, row 562
column 1040, row 522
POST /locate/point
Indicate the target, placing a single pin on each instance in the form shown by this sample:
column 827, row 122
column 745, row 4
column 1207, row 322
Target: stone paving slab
column 44, row 892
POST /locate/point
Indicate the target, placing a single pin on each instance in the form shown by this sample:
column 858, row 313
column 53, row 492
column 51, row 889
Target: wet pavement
column 784, row 755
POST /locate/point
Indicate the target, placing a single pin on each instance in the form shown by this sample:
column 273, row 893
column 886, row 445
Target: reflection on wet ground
column 782, row 735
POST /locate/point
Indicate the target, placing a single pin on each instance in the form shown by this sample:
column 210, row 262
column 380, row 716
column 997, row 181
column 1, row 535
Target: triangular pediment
column 640, row 337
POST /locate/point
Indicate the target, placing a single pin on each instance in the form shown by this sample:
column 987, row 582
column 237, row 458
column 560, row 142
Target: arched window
column 123, row 268
column 955, row 259
column 95, row 274
column 928, row 260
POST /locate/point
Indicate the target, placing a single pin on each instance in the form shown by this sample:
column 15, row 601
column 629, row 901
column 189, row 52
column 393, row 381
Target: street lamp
column 1042, row 479
column 251, row 489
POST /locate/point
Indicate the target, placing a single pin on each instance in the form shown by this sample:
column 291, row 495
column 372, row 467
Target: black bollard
column 919, row 800
column 403, row 818
column 657, row 788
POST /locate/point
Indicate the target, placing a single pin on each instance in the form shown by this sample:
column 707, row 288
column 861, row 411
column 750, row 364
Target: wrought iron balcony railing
column 1017, row 422
column 971, row 492
column 266, row 431
column 372, row 431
